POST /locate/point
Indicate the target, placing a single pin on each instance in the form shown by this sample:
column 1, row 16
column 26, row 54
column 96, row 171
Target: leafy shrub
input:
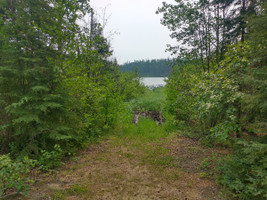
column 13, row 174
column 216, row 96
column 206, row 101
column 244, row 174
column 50, row 160
column 179, row 99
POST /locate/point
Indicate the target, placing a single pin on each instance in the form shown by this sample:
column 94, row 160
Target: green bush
column 244, row 174
column 14, row 174
column 51, row 159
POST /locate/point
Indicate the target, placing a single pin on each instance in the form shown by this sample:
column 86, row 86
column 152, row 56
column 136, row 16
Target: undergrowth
column 152, row 100
column 14, row 174
column 244, row 173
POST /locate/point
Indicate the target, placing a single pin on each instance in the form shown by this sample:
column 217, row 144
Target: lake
column 152, row 82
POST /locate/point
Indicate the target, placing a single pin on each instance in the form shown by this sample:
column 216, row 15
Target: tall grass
column 151, row 100
column 146, row 129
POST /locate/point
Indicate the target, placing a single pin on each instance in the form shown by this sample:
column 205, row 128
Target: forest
column 149, row 68
column 67, row 108
column 222, row 93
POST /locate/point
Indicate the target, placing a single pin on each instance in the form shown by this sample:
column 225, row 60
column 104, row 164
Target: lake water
column 152, row 82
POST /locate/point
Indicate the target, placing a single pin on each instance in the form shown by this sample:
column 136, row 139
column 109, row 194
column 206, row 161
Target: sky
column 134, row 28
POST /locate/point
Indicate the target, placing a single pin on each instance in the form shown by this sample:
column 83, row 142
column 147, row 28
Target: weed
column 165, row 161
column 128, row 155
column 150, row 101
column 175, row 175
column 190, row 184
column 205, row 163
column 77, row 190
column 14, row 174
column 205, row 174
column 59, row 195
column 50, row 160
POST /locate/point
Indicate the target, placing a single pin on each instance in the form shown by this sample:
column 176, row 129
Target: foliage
column 223, row 100
column 179, row 100
column 206, row 100
column 235, row 16
column 34, row 113
column 215, row 97
column 244, row 173
column 130, row 86
column 97, row 97
column 57, row 85
column 254, row 79
column 145, row 131
column 204, row 28
column 199, row 28
column 221, row 92
column 13, row 174
column 51, row 160
column 149, row 101
column 257, row 26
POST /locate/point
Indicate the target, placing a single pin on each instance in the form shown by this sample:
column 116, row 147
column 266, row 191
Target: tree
column 198, row 27
column 149, row 68
column 235, row 16
column 33, row 110
column 254, row 79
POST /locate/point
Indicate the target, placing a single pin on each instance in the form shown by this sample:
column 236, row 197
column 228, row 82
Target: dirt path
column 121, row 169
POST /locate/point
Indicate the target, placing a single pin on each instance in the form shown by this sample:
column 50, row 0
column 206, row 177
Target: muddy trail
column 172, row 168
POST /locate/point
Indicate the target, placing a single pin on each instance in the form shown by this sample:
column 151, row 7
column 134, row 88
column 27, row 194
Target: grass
column 78, row 190
column 132, row 155
column 143, row 142
column 146, row 137
column 82, row 191
column 150, row 101
column 146, row 131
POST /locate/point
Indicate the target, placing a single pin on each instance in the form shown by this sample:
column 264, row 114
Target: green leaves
column 244, row 173
column 228, row 95
column 26, row 119
column 198, row 27
column 31, row 60
column 13, row 174
column 52, row 159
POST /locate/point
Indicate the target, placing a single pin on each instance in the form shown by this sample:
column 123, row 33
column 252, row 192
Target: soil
column 172, row 169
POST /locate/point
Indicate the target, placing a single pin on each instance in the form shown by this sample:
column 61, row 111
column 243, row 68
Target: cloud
column 141, row 36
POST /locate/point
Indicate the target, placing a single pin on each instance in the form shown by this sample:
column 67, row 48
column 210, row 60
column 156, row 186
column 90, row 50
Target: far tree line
column 149, row 68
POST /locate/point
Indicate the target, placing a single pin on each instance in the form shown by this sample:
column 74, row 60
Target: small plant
column 52, row 159
column 59, row 195
column 14, row 174
column 205, row 163
column 77, row 190
column 204, row 175
column 244, row 173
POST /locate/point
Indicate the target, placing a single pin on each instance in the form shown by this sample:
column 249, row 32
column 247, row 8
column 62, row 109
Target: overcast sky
column 138, row 32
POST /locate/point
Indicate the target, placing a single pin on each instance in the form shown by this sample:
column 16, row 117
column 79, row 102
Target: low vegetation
column 14, row 174
column 135, row 161
column 60, row 93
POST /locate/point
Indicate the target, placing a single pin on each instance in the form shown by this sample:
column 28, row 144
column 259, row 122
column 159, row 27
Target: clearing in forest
column 135, row 162
column 155, row 165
